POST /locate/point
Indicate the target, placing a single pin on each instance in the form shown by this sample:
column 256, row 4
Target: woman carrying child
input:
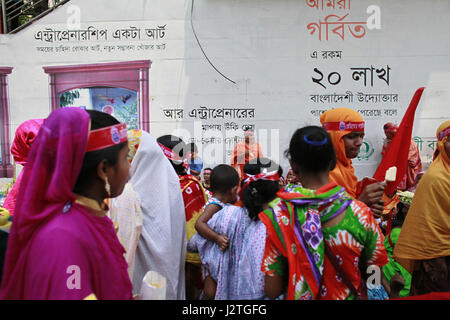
column 235, row 273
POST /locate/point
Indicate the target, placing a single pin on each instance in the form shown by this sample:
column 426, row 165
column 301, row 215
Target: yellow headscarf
column 426, row 231
column 5, row 219
column 134, row 139
column 344, row 173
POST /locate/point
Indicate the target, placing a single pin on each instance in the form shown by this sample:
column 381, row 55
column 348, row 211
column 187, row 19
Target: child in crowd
column 195, row 162
column 224, row 187
column 207, row 178
column 235, row 274
column 291, row 178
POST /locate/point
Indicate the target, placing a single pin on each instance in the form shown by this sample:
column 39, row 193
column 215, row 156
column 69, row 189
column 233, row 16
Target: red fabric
column 24, row 137
column 194, row 200
column 390, row 127
column 193, row 196
column 248, row 178
column 398, row 150
column 107, row 137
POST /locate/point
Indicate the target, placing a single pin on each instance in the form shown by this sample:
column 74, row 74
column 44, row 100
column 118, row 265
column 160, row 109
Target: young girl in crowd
column 224, row 187
column 194, row 198
column 62, row 245
column 207, row 179
column 317, row 235
column 236, row 273
column 291, row 178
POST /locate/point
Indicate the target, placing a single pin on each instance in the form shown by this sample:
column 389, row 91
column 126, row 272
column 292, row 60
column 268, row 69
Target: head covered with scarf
column 338, row 123
column 162, row 244
column 46, row 192
column 390, row 129
column 428, row 215
column 194, row 195
column 25, row 135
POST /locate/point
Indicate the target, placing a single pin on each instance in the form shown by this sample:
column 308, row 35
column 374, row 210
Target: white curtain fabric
column 162, row 245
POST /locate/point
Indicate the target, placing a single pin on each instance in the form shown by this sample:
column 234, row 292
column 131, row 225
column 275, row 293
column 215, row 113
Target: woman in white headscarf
column 162, row 244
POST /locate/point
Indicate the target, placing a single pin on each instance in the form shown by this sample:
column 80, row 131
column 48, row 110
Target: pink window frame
column 6, row 168
column 131, row 75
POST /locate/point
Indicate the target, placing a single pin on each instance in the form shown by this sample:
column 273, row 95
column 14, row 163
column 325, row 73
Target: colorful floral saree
column 295, row 241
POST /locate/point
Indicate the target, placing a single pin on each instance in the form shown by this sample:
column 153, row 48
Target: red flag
column 397, row 151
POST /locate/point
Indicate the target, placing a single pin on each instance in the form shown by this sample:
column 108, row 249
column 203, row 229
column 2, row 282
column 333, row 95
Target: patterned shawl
column 308, row 210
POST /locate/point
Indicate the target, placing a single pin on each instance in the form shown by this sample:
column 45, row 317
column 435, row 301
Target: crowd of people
column 97, row 206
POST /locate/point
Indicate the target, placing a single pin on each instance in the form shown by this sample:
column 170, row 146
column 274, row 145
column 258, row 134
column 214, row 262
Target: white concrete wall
column 262, row 45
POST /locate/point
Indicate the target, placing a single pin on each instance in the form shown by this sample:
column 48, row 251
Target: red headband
column 392, row 130
column 389, row 127
column 444, row 133
column 107, row 137
column 173, row 156
column 343, row 126
column 248, row 178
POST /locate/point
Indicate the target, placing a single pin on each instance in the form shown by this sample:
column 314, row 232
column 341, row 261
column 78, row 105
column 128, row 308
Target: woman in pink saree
column 62, row 245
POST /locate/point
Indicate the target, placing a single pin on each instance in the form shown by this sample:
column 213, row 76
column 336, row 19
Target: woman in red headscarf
column 25, row 135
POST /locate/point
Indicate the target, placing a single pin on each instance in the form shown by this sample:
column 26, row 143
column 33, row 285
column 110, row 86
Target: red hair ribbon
column 173, row 156
column 344, row 126
column 107, row 137
column 248, row 178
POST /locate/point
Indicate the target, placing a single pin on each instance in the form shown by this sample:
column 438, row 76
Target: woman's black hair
column 400, row 217
column 223, row 178
column 179, row 147
column 311, row 149
column 258, row 193
column 93, row 158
